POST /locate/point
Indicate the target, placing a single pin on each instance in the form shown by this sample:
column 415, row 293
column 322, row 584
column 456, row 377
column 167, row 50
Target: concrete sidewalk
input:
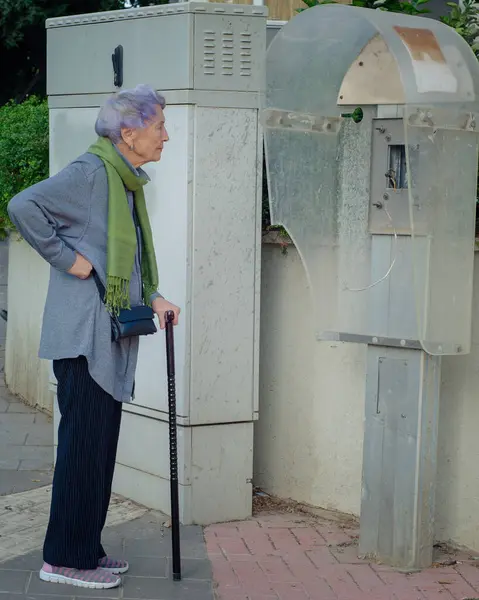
column 26, row 455
column 26, row 435
column 147, row 545
column 26, row 445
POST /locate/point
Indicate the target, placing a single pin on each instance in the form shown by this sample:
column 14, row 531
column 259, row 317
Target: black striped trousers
column 87, row 444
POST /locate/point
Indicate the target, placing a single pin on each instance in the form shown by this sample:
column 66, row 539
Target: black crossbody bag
column 137, row 320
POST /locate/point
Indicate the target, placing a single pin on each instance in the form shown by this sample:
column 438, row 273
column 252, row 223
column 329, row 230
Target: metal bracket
column 285, row 119
column 354, row 338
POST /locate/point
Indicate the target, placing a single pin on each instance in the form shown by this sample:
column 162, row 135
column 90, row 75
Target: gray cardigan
column 65, row 213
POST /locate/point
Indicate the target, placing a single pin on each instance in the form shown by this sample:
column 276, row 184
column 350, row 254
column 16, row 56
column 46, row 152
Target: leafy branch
column 464, row 18
column 414, row 7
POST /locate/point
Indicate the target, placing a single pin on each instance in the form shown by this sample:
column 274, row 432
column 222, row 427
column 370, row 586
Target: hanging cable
column 390, row 175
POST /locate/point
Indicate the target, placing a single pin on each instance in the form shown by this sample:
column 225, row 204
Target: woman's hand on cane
column 161, row 306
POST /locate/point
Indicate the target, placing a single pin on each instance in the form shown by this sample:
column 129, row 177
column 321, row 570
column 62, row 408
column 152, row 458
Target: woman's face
column 146, row 143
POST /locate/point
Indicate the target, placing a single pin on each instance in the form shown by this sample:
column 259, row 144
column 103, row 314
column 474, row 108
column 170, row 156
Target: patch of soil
column 265, row 504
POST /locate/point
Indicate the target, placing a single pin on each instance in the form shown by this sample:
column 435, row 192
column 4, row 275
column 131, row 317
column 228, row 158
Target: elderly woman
column 90, row 223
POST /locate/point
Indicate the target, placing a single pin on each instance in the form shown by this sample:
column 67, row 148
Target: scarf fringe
column 117, row 294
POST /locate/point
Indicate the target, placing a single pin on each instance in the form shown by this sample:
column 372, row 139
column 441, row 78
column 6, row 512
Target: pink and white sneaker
column 98, row 579
column 113, row 565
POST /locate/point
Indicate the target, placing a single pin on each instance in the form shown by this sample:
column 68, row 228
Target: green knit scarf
column 122, row 241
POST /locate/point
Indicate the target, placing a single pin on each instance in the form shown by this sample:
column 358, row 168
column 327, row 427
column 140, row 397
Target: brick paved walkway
column 291, row 557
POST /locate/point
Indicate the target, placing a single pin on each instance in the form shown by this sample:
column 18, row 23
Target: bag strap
column 99, row 285
column 94, row 274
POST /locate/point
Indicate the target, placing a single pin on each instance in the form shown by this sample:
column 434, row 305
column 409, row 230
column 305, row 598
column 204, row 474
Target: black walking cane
column 175, row 512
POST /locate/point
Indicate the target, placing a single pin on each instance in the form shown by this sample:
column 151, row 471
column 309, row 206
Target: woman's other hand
column 160, row 306
column 81, row 268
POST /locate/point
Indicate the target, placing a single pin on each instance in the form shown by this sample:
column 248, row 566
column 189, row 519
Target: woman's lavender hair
column 127, row 109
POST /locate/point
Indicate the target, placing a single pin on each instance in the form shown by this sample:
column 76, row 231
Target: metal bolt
column 385, row 196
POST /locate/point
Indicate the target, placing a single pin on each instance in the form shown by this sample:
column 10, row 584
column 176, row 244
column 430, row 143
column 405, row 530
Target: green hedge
column 23, row 151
